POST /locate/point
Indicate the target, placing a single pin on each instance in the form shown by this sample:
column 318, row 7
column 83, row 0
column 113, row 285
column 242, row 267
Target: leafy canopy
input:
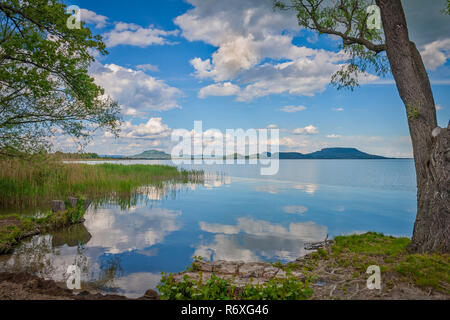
column 346, row 19
column 45, row 88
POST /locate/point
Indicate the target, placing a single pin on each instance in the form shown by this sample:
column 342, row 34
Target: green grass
column 26, row 183
column 360, row 251
column 14, row 228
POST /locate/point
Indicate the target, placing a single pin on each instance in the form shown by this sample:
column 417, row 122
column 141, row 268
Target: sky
column 240, row 64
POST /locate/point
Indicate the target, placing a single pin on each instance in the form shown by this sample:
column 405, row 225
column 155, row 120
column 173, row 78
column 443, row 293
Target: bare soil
column 23, row 286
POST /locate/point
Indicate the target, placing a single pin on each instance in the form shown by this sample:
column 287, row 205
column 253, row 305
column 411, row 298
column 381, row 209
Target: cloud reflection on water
column 253, row 240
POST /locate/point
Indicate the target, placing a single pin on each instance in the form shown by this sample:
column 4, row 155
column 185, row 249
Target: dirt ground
column 23, row 286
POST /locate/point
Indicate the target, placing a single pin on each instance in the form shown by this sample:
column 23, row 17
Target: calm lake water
column 237, row 214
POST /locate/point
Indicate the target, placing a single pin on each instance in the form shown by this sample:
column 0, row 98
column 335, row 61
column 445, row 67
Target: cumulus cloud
column 135, row 35
column 90, row 17
column 219, row 89
column 436, row 53
column 308, row 130
column 154, row 128
column 291, row 109
column 138, row 93
column 249, row 34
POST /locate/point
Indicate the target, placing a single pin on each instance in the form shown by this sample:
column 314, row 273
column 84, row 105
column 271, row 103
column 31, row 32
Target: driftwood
column 318, row 245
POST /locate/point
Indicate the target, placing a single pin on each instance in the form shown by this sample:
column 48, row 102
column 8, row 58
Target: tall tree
column 375, row 50
column 45, row 88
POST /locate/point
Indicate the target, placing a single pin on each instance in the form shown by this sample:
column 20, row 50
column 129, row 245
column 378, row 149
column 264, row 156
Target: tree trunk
column 431, row 145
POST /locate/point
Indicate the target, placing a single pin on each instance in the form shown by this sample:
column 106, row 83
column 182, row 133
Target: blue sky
column 238, row 64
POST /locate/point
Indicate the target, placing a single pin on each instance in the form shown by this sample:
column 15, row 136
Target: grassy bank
column 26, row 183
column 14, row 228
column 355, row 253
column 336, row 272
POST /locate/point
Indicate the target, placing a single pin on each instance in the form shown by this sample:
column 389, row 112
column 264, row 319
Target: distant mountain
column 330, row 153
column 152, row 154
column 111, row 156
column 327, row 153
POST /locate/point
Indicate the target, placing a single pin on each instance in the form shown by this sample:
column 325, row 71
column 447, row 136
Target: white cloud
column 333, row 136
column 154, row 128
column 90, row 17
column 139, row 229
column 147, row 67
column 308, row 130
column 436, row 53
column 249, row 34
column 258, row 239
column 439, row 107
column 135, row 35
column 137, row 93
column 338, row 109
column 291, row 109
column 219, row 89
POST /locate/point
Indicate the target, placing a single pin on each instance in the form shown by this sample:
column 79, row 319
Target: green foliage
column 195, row 265
column 44, row 82
column 346, row 19
column 447, row 10
column 14, row 228
column 216, row 288
column 289, row 288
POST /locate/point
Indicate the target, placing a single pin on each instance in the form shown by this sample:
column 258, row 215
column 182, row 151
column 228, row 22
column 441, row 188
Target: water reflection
column 279, row 186
column 255, row 240
column 117, row 230
column 126, row 242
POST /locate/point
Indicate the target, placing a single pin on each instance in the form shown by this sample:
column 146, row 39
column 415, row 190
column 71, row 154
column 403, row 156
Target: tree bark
column 431, row 147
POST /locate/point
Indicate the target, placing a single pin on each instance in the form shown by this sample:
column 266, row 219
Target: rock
column 58, row 205
column 72, row 201
column 270, row 272
column 205, row 266
column 226, row 267
column 151, row 294
column 86, row 204
column 252, row 270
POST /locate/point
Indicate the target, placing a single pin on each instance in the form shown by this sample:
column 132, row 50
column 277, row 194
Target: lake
column 237, row 214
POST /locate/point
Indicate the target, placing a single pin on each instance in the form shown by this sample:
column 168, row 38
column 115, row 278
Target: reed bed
column 28, row 183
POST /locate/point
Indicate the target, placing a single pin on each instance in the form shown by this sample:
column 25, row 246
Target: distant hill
column 327, row 153
column 330, row 153
column 152, row 154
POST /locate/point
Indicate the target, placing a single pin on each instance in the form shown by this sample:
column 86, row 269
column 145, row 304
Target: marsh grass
column 34, row 182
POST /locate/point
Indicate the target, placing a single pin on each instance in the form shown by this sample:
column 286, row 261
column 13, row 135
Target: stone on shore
column 238, row 272
column 58, row 205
